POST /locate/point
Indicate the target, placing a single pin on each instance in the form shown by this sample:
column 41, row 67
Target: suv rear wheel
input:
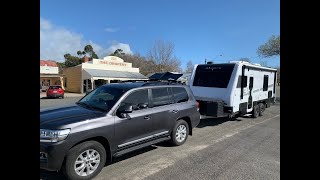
column 85, row 160
column 180, row 133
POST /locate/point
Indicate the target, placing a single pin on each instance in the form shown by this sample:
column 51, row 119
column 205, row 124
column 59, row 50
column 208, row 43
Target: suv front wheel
column 180, row 133
column 85, row 160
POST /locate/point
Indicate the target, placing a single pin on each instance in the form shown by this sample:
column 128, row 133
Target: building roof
column 48, row 63
column 114, row 74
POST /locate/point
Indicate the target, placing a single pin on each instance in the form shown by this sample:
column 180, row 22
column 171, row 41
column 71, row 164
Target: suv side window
column 138, row 99
column 160, row 97
column 180, row 94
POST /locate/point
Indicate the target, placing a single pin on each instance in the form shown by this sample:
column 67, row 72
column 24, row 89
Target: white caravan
column 221, row 91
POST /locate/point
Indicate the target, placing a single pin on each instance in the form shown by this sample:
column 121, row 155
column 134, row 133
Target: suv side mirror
column 124, row 110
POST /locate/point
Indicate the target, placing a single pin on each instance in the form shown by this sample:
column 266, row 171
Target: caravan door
column 246, row 102
column 250, row 93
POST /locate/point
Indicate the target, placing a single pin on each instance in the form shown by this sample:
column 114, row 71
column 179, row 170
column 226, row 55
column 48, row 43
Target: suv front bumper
column 52, row 155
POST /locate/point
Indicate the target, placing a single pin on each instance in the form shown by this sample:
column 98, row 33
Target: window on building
column 265, row 82
column 160, row 97
column 137, row 99
column 89, row 84
column 180, row 94
column 65, row 82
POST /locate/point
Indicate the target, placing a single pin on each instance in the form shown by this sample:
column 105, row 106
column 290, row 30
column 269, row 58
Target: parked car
column 112, row 120
column 55, row 91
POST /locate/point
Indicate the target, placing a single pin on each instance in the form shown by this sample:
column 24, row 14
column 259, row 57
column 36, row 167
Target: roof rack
column 151, row 81
column 159, row 78
column 168, row 76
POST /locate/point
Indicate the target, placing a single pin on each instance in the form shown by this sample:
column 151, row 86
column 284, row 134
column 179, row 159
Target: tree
column 71, row 61
column 117, row 52
column 88, row 51
column 270, row 48
column 245, row 59
column 61, row 65
column 80, row 53
column 264, row 63
column 145, row 66
column 189, row 66
column 162, row 54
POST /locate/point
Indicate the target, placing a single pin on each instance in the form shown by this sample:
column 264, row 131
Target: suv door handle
column 174, row 111
column 147, row 117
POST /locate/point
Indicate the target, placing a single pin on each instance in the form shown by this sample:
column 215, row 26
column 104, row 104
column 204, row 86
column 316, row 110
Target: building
column 91, row 74
column 49, row 74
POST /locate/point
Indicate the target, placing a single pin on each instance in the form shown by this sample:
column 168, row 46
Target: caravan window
column 213, row 75
column 265, row 82
column 245, row 81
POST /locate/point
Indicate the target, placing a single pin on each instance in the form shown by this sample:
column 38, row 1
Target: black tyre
column 255, row 111
column 84, row 161
column 180, row 133
column 62, row 96
column 262, row 108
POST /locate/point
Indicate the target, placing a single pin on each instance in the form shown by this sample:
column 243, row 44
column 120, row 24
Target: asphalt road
column 243, row 148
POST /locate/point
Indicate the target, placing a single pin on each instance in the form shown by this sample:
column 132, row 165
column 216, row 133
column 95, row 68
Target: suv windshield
column 102, row 98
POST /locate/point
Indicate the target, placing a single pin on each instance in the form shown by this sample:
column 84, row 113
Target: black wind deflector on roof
column 165, row 76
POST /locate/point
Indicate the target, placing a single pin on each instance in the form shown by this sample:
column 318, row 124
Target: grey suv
column 112, row 120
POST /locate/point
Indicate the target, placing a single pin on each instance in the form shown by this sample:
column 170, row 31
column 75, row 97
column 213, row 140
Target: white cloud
column 116, row 45
column 111, row 29
column 56, row 41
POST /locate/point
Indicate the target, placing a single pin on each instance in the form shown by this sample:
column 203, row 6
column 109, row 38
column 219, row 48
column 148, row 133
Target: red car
column 55, row 91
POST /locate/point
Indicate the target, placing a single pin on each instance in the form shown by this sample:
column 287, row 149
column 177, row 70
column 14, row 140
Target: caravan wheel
column 262, row 107
column 255, row 111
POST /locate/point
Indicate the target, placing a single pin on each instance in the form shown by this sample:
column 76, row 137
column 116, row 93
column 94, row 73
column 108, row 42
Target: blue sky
column 202, row 29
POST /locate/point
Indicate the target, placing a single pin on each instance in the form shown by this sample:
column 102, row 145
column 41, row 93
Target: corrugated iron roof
column 114, row 74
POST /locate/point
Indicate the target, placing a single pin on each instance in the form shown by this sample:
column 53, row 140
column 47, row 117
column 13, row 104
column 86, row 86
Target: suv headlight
column 53, row 135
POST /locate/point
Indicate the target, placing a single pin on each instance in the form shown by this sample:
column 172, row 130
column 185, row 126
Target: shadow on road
column 214, row 121
column 47, row 175
column 132, row 154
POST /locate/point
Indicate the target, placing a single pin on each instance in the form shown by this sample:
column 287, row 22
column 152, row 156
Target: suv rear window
column 54, row 87
column 215, row 75
column 180, row 94
column 160, row 97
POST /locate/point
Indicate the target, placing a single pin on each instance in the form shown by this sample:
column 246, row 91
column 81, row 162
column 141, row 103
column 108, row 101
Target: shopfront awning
column 113, row 74
column 50, row 75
